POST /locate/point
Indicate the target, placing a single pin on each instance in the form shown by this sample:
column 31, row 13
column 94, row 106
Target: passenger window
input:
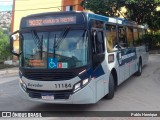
column 135, row 36
column 96, row 24
column 122, row 37
column 130, row 36
column 111, row 37
column 140, row 41
column 140, row 33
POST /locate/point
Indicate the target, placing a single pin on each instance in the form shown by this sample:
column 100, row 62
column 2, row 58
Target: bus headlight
column 85, row 81
column 77, row 87
column 81, row 84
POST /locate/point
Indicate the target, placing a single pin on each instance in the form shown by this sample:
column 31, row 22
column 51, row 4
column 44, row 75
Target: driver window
column 98, row 41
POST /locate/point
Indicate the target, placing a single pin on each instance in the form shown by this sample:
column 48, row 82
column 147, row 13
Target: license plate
column 47, row 97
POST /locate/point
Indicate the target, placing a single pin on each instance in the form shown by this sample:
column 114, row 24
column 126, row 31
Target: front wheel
column 110, row 94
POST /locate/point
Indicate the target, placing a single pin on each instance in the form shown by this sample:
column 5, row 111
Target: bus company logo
column 34, row 85
column 123, row 58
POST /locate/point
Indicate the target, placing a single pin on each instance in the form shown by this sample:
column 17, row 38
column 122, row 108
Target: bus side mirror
column 118, row 47
column 14, row 43
column 98, row 59
column 99, row 37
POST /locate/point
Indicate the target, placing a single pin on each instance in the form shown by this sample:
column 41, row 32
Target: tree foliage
column 154, row 21
column 140, row 10
column 102, row 7
column 4, row 46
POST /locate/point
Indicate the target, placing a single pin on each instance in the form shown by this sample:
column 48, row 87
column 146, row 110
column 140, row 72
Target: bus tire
column 139, row 72
column 110, row 94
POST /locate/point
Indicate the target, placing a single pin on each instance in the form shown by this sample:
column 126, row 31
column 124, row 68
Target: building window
column 69, row 8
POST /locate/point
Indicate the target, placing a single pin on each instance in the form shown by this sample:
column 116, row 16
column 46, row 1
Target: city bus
column 77, row 57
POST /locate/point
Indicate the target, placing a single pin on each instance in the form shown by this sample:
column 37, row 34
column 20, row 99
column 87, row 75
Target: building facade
column 22, row 8
column 72, row 5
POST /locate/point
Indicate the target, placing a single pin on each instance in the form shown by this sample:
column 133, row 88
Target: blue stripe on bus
column 98, row 72
column 94, row 73
column 97, row 17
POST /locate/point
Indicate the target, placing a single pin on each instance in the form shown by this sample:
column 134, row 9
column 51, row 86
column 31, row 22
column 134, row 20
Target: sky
column 6, row 5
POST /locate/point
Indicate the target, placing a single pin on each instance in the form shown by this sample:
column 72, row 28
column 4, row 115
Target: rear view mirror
column 14, row 43
column 98, row 59
column 100, row 37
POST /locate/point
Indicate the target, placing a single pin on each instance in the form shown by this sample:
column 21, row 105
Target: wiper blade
column 38, row 41
column 36, row 38
column 61, row 37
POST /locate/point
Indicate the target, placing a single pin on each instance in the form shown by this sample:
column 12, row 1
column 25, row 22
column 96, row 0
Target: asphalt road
column 136, row 94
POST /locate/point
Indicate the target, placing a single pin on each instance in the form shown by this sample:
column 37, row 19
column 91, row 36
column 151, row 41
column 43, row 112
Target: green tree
column 4, row 46
column 137, row 10
column 140, row 10
column 154, row 21
column 102, row 7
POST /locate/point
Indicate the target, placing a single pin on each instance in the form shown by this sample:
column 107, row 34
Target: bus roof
column 114, row 20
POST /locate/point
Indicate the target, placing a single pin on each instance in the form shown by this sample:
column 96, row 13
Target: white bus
column 77, row 57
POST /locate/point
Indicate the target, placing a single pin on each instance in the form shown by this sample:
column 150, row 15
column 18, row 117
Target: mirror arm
column 15, row 54
column 118, row 46
column 15, row 32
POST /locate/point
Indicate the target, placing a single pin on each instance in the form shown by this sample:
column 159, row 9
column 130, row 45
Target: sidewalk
column 154, row 52
column 9, row 72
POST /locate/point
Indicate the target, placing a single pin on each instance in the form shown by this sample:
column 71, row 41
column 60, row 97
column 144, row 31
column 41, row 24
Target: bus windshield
column 55, row 49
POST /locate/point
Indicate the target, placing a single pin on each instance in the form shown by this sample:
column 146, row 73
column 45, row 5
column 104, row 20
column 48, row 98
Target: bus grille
column 49, row 76
column 57, row 94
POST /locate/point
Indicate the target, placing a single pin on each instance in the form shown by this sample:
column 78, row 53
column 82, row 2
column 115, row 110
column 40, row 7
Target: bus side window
column 135, row 36
column 140, row 31
column 130, row 36
column 122, row 37
column 111, row 36
column 100, row 42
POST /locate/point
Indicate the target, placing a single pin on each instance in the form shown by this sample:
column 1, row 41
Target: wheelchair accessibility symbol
column 52, row 63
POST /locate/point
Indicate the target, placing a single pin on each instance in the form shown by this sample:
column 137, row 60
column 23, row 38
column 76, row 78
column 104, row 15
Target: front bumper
column 83, row 96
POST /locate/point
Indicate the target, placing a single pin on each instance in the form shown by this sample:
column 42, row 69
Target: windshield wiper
column 38, row 41
column 58, row 41
column 54, row 47
column 61, row 37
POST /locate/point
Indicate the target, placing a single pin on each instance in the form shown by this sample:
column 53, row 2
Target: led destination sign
column 51, row 21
